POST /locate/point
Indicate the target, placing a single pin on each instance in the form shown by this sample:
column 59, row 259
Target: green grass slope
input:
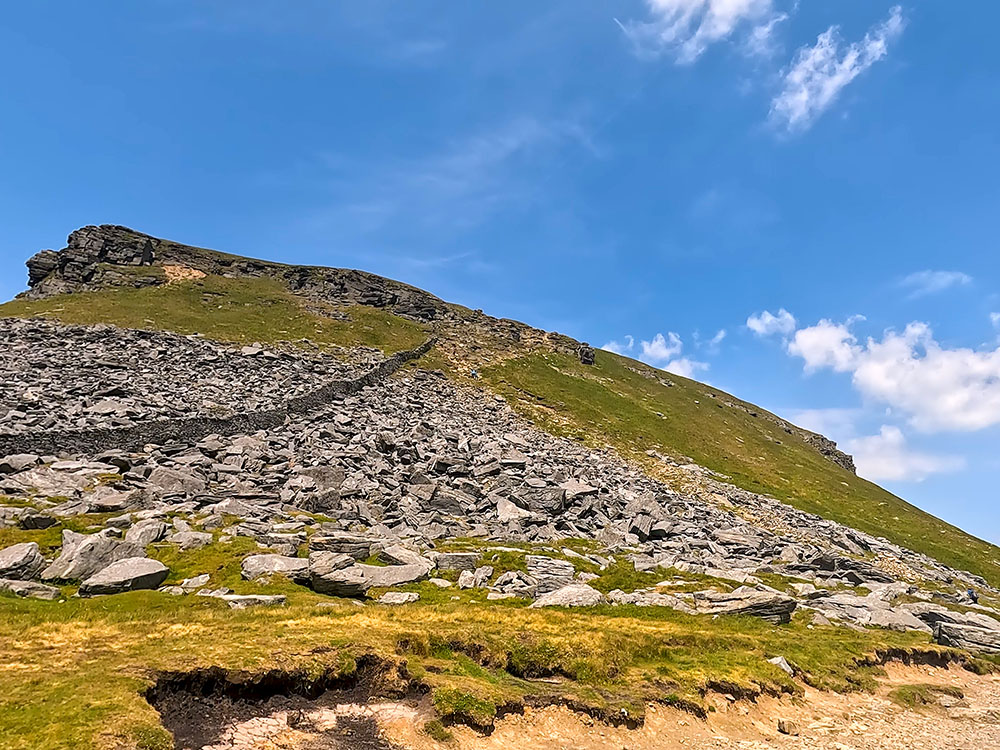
column 241, row 310
column 620, row 402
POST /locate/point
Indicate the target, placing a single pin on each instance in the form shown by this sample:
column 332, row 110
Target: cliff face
column 103, row 256
column 97, row 257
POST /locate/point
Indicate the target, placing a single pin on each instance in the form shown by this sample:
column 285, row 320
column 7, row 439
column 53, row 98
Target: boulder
column 21, row 561
column 146, row 532
column 256, row 566
column 573, row 595
column 29, row 589
column 969, row 637
column 328, row 575
column 17, row 462
column 130, row 574
column 342, row 542
column 33, row 520
column 456, row 560
column 83, row 555
column 243, row 601
column 398, row 597
column 190, row 539
column 773, row 607
column 549, row 573
column 171, row 481
column 379, row 576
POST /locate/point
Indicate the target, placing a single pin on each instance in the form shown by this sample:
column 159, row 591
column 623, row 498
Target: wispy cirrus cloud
column 820, row 72
column 922, row 283
column 685, row 29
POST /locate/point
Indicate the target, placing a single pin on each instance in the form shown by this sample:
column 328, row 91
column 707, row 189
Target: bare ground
column 825, row 721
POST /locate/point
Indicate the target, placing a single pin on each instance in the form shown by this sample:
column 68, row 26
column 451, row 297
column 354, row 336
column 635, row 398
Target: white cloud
column 995, row 319
column 717, row 338
column 819, row 73
column 826, row 344
column 620, row 347
column 886, row 456
column 938, row 388
column 922, row 283
column 685, row 367
column 768, row 324
column 686, row 28
column 662, row 352
column 835, row 423
column 760, row 41
column 660, row 348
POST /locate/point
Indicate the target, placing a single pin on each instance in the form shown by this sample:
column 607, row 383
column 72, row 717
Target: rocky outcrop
column 21, row 561
column 129, row 574
column 114, row 256
column 83, row 555
column 969, row 637
column 100, row 256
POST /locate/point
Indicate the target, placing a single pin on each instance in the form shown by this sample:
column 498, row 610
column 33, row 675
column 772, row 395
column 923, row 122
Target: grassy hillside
column 620, row 402
column 241, row 310
column 89, row 660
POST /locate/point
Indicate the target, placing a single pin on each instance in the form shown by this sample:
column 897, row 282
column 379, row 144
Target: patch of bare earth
column 181, row 273
column 825, row 721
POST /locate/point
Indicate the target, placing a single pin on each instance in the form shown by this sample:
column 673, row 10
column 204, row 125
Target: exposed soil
column 341, row 719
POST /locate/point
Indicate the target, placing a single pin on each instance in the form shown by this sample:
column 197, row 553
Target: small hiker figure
column 973, row 596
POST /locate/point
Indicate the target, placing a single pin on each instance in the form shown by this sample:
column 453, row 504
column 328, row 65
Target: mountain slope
column 617, row 401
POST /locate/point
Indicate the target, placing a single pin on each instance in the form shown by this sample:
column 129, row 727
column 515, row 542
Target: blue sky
column 652, row 171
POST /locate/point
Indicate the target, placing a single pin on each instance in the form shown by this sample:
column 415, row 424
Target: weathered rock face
column 257, row 566
column 130, row 574
column 97, row 256
column 29, row 589
column 968, row 637
column 572, row 595
column 21, row 561
column 83, row 555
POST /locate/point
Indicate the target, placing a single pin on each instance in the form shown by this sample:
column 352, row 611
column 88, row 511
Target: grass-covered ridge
column 240, row 310
column 623, row 403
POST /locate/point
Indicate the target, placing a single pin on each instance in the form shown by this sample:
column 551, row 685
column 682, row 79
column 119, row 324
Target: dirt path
column 824, row 721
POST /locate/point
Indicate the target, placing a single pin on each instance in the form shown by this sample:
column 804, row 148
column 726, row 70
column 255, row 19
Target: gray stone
column 342, row 542
column 398, row 597
column 573, row 595
column 187, row 540
column 21, row 561
column 243, row 601
column 456, row 560
column 773, row 607
column 83, row 555
column 172, row 480
column 977, row 640
column 29, row 589
column 332, row 573
column 146, row 532
column 17, row 462
column 550, row 573
column 130, row 574
column 256, row 566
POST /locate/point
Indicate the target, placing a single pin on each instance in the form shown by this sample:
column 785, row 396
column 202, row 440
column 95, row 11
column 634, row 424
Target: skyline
column 794, row 204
